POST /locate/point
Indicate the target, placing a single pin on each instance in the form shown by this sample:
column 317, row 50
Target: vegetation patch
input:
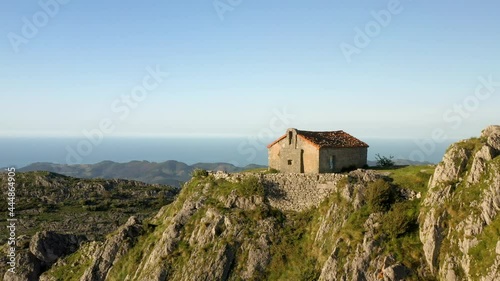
column 484, row 253
column 414, row 178
column 380, row 195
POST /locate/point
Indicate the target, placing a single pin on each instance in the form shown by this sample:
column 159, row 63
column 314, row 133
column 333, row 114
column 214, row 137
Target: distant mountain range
column 170, row 172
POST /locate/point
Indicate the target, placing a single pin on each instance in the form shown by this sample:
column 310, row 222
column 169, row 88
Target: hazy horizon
column 238, row 151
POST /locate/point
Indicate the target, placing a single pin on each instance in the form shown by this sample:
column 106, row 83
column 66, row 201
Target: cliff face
column 460, row 226
column 413, row 223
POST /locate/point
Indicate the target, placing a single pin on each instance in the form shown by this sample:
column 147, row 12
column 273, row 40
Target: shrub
column 311, row 272
column 379, row 196
column 251, row 186
column 401, row 219
column 383, row 161
column 272, row 171
column 200, row 173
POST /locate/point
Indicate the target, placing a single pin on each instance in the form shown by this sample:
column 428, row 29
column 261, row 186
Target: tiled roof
column 333, row 139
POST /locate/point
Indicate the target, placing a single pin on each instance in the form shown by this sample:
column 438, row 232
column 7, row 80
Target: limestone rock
column 48, row 246
column 490, row 205
column 259, row 257
column 28, row 268
column 494, row 142
column 167, row 244
column 491, row 130
column 397, row 272
column 448, row 187
column 451, row 167
column 478, row 167
column 114, row 248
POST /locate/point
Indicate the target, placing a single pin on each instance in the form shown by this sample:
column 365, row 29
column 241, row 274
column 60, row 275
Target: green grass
column 247, row 187
column 73, row 268
column 414, row 178
column 292, row 258
column 131, row 261
column 484, row 253
column 261, row 171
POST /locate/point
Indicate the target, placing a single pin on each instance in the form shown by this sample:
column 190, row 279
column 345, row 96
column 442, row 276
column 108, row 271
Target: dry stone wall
column 292, row 192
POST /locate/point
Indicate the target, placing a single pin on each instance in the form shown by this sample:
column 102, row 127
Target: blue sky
column 229, row 76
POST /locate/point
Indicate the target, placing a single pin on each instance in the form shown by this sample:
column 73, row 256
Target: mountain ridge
column 170, row 172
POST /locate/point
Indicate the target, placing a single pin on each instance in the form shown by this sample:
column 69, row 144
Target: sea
column 239, row 151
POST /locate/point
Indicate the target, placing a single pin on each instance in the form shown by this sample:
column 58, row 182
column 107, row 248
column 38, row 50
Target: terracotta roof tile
column 333, row 139
column 336, row 139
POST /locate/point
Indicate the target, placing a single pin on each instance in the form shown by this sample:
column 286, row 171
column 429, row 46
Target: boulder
column 478, row 167
column 490, row 130
column 48, row 246
column 494, row 142
column 28, row 268
column 113, row 249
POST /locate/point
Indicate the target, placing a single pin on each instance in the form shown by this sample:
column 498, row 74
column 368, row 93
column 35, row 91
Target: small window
column 290, row 162
column 331, row 162
column 290, row 135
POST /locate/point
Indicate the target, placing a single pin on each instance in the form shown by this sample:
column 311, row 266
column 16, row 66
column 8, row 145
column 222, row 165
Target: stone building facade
column 300, row 151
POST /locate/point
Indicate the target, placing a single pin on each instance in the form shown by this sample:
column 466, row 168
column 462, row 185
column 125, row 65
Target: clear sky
column 231, row 69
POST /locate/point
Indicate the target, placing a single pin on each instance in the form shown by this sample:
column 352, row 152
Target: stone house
column 300, row 151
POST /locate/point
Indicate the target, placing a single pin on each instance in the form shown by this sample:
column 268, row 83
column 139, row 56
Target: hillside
column 171, row 172
column 411, row 223
column 77, row 209
column 93, row 207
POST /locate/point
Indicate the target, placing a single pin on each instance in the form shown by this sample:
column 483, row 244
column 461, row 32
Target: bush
column 379, row 196
column 272, row 171
column 401, row 219
column 200, row 173
column 251, row 186
column 385, row 162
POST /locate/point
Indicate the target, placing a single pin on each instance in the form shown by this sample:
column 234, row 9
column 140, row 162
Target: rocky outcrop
column 361, row 265
column 44, row 249
column 52, row 202
column 463, row 201
column 492, row 134
column 28, row 268
column 479, row 163
column 49, row 246
column 113, row 249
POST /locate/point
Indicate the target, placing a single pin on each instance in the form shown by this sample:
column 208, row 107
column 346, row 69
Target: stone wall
column 292, row 192
column 297, row 192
